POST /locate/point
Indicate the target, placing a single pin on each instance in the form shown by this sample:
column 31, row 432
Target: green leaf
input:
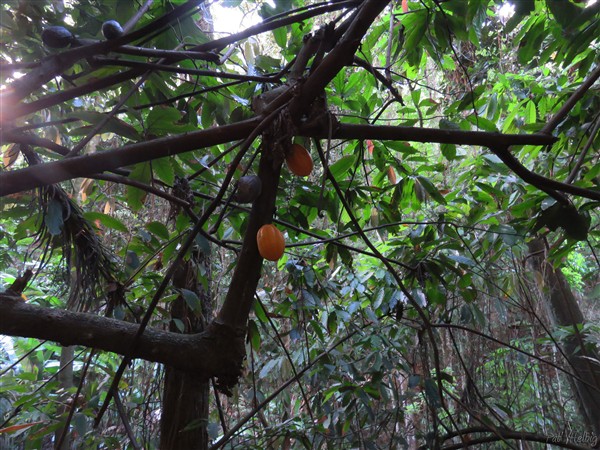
column 136, row 197
column 414, row 381
column 158, row 229
column 179, row 325
column 449, row 151
column 132, row 260
column 446, row 124
column 431, row 189
column 114, row 124
column 165, row 120
column 254, row 335
column 192, row 300
column 530, row 113
column 342, row 166
column 163, row 169
column 461, row 259
column 107, row 221
column 54, row 217
column 532, row 41
column 267, row 63
column 482, row 123
column 280, row 35
column 432, row 394
column 522, row 9
column 507, row 233
column 415, row 26
column 260, row 312
column 563, row 11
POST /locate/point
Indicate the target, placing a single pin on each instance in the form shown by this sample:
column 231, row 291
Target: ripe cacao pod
column 299, row 161
column 271, row 243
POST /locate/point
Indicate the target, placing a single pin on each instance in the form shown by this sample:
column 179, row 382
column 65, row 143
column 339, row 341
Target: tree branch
column 66, row 169
column 341, row 55
column 547, row 185
column 56, row 64
column 213, row 348
column 570, row 103
column 87, row 165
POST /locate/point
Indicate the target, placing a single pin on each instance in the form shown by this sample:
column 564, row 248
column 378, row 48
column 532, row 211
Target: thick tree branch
column 341, row 55
column 545, row 184
column 87, row 165
column 213, row 348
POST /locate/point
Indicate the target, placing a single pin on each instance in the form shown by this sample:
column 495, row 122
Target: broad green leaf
column 163, row 170
column 564, row 12
column 342, row 166
column 432, row 393
column 192, row 300
column 461, row 259
column 449, row 151
column 54, row 217
column 132, row 260
column 415, row 27
column 254, row 335
column 280, row 35
column 166, row 120
column 431, row 189
column 158, row 229
column 114, row 124
column 107, row 221
column 136, row 197
column 482, row 123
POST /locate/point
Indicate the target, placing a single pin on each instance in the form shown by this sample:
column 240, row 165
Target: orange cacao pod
column 271, row 244
column 299, row 161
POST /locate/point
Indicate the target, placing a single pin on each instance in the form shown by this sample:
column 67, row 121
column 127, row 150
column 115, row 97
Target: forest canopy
column 299, row 224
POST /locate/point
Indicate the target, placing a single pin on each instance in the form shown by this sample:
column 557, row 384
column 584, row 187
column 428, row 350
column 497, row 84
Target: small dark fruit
column 111, row 29
column 249, row 188
column 57, row 37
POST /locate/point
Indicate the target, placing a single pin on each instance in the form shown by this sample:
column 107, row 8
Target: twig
column 125, row 421
column 182, row 70
column 65, row 430
column 387, row 82
column 160, row 53
column 570, row 103
column 584, row 152
column 137, row 16
column 227, row 436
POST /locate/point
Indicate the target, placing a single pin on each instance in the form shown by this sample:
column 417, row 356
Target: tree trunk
column 65, row 380
column 579, row 353
column 184, row 416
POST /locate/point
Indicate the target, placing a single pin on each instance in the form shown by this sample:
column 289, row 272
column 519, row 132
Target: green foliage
column 452, row 220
